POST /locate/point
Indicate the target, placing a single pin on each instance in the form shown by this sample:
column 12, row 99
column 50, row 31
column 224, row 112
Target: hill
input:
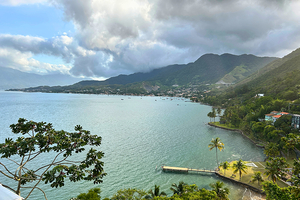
column 11, row 78
column 209, row 68
column 279, row 79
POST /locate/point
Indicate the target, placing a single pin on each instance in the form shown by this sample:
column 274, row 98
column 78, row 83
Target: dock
column 185, row 170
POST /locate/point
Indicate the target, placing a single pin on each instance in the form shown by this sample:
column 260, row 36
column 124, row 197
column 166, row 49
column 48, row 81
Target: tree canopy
column 39, row 139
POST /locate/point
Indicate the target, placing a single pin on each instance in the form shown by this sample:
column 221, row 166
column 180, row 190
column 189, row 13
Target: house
column 295, row 121
column 268, row 117
column 274, row 115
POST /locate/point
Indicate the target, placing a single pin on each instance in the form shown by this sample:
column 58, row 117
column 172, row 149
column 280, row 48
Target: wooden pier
column 185, row 170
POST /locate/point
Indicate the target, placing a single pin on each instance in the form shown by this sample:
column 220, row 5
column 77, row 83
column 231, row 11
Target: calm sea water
column 139, row 134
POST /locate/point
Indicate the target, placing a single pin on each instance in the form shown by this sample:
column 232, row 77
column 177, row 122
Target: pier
column 185, row 170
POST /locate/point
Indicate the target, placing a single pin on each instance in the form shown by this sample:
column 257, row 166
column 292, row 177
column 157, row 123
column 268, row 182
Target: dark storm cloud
column 121, row 37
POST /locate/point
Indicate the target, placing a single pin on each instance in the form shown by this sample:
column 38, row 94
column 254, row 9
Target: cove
column 139, row 135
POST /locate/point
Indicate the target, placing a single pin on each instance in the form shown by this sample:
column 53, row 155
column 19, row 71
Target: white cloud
column 114, row 37
column 20, row 2
column 23, row 61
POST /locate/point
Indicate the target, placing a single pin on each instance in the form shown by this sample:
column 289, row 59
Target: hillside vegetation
column 208, row 69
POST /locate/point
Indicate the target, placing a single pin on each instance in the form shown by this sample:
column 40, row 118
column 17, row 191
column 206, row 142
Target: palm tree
column 156, row 193
column 240, row 167
column 219, row 111
column 178, row 189
column 216, row 143
column 276, row 167
column 209, row 115
column 214, row 114
column 222, row 193
column 257, row 177
column 225, row 165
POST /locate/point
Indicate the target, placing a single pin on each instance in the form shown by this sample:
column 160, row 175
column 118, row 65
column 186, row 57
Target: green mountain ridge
column 279, row 79
column 209, row 68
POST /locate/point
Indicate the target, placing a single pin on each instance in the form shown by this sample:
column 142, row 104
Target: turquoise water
column 139, row 134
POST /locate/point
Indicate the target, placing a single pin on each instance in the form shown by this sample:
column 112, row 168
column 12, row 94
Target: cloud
column 120, row 37
column 20, row 2
column 23, row 61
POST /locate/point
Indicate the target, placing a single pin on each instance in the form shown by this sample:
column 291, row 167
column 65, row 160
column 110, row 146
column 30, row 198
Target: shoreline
column 245, row 185
column 236, row 130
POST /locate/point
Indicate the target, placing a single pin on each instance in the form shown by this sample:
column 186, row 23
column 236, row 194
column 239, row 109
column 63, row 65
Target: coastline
column 236, row 130
column 245, row 185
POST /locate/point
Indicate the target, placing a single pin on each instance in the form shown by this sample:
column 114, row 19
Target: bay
column 139, row 135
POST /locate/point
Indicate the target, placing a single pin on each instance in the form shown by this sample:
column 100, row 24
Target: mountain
column 11, row 78
column 279, row 79
column 209, row 68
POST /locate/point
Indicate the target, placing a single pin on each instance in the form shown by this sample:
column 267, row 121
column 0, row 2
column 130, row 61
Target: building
column 295, row 121
column 274, row 115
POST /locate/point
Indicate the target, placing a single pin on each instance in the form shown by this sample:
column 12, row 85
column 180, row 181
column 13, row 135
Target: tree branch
column 39, row 189
column 37, row 183
column 8, row 187
column 11, row 177
column 6, row 169
column 53, row 163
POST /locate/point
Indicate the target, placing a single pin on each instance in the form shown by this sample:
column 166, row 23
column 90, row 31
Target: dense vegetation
column 245, row 109
column 181, row 191
column 208, row 69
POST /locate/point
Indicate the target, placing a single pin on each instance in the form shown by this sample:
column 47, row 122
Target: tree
column 93, row 194
column 257, row 177
column 290, row 142
column 271, row 150
column 42, row 140
column 276, row 167
column 129, row 194
column 156, row 193
column 216, row 143
column 219, row 111
column 240, row 167
column 225, row 165
column 273, row 191
column 222, row 193
column 214, row 114
column 178, row 189
column 210, row 115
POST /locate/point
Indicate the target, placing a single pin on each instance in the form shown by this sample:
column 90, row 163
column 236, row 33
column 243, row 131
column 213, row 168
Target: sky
column 104, row 38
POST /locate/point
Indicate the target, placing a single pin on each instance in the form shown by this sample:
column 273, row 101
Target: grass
column 223, row 125
column 246, row 178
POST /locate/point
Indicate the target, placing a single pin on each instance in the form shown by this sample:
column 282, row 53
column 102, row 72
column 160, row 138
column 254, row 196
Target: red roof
column 269, row 114
column 277, row 116
column 284, row 113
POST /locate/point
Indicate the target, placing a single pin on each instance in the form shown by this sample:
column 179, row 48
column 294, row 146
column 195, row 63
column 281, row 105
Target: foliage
column 274, row 192
column 218, row 144
column 225, row 165
column 257, row 177
column 186, row 192
column 129, row 194
column 221, row 192
column 296, row 173
column 178, row 189
column 276, row 167
column 156, row 193
column 271, row 150
column 240, row 167
column 93, row 194
column 41, row 140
